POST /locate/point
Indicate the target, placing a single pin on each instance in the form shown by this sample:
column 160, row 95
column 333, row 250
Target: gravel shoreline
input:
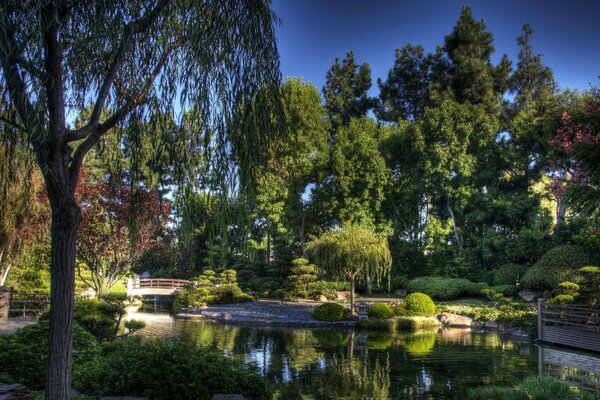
column 275, row 313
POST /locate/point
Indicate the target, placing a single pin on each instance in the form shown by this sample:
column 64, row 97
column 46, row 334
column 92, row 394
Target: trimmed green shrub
column 322, row 288
column 445, row 288
column 380, row 311
column 419, row 304
column 163, row 369
column 329, row 312
column 412, row 324
column 399, row 282
column 557, row 265
column 200, row 296
column 509, row 274
column 506, row 290
column 24, row 355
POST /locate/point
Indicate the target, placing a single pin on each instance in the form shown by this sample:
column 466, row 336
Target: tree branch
column 131, row 29
column 93, row 138
column 12, row 123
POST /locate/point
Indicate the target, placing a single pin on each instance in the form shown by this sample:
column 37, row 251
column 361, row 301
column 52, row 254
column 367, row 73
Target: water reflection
column 333, row 364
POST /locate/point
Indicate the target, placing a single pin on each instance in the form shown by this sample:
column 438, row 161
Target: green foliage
column 380, row 311
column 399, row 282
column 323, row 288
column 201, row 296
column 419, row 304
column 23, row 355
column 97, row 317
column 302, row 274
column 161, row 369
column 329, row 312
column 532, row 388
column 557, row 265
column 508, row 274
column 506, row 290
column 413, row 324
column 445, row 288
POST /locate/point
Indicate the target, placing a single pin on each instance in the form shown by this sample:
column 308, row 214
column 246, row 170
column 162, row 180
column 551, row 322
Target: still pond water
column 334, row 364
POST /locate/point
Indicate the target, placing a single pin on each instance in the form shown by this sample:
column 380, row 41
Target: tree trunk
column 65, row 223
column 268, row 260
column 352, row 295
column 561, row 212
column 457, row 236
column 368, row 285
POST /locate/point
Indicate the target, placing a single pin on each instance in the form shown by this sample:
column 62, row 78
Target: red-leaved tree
column 118, row 227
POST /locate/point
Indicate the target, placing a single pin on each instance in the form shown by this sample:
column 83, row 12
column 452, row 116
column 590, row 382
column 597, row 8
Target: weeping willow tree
column 350, row 252
column 131, row 61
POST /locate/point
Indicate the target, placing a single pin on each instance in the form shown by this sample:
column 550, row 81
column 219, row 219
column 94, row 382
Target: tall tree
column 473, row 78
column 132, row 59
column 349, row 252
column 405, row 93
column 345, row 90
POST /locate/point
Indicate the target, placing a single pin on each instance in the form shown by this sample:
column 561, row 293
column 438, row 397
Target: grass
column 401, row 324
column 533, row 388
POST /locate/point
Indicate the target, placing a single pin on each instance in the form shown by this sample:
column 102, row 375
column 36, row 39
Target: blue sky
column 314, row 32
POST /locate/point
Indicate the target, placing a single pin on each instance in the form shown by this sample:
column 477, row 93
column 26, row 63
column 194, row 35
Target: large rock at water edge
column 449, row 319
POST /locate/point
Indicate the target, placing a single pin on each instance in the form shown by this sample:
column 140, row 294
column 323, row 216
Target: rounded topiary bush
column 380, row 311
column 444, row 288
column 419, row 304
column 329, row 312
column 509, row 274
column 557, row 265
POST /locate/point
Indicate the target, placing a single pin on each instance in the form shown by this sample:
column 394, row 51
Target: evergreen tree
column 473, row 78
column 301, row 274
column 405, row 93
column 345, row 90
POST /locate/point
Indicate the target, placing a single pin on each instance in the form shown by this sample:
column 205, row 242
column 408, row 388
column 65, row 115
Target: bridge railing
column 156, row 283
column 28, row 304
column 569, row 324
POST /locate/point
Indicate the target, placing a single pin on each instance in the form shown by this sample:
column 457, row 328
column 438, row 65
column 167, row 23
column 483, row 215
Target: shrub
column 412, row 324
column 506, row 290
column 388, row 325
column 532, row 388
column 445, row 288
column 329, row 312
column 322, row 288
column 97, row 317
column 419, row 304
column 162, row 369
column 509, row 274
column 23, row 355
column 223, row 294
column 557, row 265
column 399, row 282
column 380, row 311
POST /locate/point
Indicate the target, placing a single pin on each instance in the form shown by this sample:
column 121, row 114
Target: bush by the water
column 557, row 265
column 419, row 304
column 329, row 312
column 200, row 296
column 506, row 290
column 380, row 311
column 445, row 288
column 24, row 354
column 412, row 324
column 533, row 388
column 509, row 274
column 163, row 369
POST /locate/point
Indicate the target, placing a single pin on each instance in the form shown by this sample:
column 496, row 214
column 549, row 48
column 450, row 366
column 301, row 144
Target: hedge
column 445, row 288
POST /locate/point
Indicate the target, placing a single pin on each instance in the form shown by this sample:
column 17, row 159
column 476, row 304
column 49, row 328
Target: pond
column 338, row 364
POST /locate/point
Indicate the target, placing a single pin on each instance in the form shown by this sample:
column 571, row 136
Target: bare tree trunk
column 368, row 281
column 65, row 223
column 352, row 280
column 457, row 236
column 561, row 212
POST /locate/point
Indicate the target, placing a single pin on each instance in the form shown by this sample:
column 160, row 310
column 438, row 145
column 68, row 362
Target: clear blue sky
column 314, row 32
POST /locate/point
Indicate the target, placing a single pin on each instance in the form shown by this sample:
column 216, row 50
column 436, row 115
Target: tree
column 117, row 228
column 301, row 274
column 405, row 93
column 132, row 60
column 349, row 251
column 473, row 78
column 345, row 90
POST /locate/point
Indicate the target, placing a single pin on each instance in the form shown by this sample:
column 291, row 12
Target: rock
column 400, row 292
column 491, row 326
column 528, row 295
column 343, row 295
column 321, row 298
column 505, row 328
column 15, row 392
column 228, row 397
column 478, row 325
column 455, row 320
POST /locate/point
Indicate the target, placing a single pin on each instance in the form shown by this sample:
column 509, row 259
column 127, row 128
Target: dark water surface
column 335, row 364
